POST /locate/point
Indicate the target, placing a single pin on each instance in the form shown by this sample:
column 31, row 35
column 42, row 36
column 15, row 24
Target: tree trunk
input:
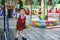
column 42, row 6
column 21, row 3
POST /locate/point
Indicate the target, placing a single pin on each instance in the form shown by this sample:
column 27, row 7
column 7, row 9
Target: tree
column 23, row 3
column 0, row 2
column 43, row 7
column 56, row 1
column 35, row 3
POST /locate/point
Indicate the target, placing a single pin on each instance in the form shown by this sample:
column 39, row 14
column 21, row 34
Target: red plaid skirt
column 20, row 24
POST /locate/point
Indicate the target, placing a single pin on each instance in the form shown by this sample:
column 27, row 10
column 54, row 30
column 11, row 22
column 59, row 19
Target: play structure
column 44, row 23
column 52, row 20
column 46, row 18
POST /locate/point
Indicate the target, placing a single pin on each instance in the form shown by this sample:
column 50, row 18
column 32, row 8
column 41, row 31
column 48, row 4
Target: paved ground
column 1, row 28
column 35, row 33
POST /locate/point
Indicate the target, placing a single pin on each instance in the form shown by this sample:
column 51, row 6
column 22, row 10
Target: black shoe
column 16, row 38
column 24, row 38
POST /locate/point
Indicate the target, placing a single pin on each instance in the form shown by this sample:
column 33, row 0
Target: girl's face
column 22, row 12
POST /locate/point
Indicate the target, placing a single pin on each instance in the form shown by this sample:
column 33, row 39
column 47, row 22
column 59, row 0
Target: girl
column 27, row 12
column 21, row 24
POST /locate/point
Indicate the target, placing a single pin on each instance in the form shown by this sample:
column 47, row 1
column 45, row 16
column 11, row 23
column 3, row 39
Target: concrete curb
column 52, row 27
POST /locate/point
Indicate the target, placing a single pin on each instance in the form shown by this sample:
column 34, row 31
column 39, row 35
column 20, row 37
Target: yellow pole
column 6, row 10
column 42, row 7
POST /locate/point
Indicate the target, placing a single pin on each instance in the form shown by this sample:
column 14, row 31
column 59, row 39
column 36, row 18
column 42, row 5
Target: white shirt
column 23, row 16
column 18, row 15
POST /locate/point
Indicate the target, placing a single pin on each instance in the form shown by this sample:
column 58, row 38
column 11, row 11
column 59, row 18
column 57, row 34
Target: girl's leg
column 18, row 32
column 17, row 35
column 22, row 33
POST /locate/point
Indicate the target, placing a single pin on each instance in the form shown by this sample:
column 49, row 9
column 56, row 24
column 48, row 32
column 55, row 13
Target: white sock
column 17, row 36
column 23, row 35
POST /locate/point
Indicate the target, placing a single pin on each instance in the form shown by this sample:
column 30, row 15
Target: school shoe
column 16, row 38
column 24, row 38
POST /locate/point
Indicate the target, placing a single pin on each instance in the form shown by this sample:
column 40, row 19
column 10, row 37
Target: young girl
column 21, row 24
column 27, row 12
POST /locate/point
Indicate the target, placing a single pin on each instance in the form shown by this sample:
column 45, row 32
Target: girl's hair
column 22, row 9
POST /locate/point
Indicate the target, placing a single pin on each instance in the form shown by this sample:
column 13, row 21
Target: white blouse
column 23, row 16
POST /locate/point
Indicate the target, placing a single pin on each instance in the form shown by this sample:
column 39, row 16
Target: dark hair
column 22, row 9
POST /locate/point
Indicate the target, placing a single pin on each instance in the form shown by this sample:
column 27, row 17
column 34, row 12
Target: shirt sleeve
column 18, row 15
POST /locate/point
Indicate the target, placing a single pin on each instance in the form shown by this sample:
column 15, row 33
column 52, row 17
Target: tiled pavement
column 35, row 33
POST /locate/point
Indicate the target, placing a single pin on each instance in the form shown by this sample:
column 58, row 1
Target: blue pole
column 7, row 29
column 4, row 16
column 6, row 23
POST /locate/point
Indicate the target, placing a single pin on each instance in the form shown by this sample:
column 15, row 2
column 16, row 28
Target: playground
column 42, row 19
column 41, row 14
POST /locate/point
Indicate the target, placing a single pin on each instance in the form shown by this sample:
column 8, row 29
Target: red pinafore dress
column 21, row 23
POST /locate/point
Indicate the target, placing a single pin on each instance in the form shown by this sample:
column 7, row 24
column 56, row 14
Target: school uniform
column 21, row 23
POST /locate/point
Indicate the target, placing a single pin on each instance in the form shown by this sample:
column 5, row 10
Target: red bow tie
column 22, row 20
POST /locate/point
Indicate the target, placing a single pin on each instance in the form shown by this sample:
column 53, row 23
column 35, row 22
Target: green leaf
column 23, row 0
column 56, row 1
